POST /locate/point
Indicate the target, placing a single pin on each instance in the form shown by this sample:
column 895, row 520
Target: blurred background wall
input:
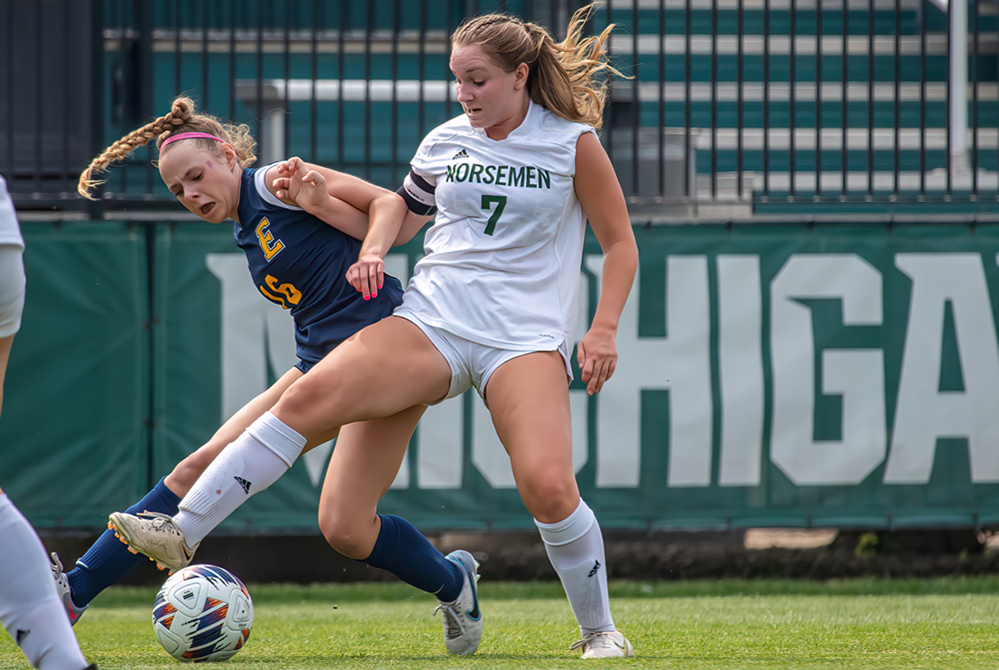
column 811, row 340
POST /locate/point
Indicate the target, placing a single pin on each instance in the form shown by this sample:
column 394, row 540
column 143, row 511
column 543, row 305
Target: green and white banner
column 768, row 375
column 74, row 429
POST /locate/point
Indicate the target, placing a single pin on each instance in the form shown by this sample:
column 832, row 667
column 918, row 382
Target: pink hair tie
column 187, row 136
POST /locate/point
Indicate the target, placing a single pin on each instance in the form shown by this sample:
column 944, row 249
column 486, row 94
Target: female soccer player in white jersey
column 30, row 609
column 294, row 255
column 491, row 305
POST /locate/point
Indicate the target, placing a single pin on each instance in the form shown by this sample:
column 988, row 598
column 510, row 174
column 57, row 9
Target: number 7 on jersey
column 487, row 202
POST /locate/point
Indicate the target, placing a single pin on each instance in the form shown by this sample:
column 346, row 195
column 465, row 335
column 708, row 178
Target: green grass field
column 941, row 623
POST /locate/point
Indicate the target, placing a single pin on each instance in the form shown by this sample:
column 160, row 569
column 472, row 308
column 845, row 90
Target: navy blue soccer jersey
column 299, row 262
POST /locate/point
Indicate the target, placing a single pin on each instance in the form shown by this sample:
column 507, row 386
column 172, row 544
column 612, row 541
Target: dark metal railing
column 50, row 74
column 750, row 105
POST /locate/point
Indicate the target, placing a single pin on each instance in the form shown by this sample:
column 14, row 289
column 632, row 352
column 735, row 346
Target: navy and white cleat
column 462, row 618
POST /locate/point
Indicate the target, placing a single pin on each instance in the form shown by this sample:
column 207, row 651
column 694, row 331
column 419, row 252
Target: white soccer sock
column 30, row 609
column 575, row 547
column 257, row 459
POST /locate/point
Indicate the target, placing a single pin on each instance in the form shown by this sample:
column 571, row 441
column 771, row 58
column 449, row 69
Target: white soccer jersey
column 503, row 256
column 10, row 231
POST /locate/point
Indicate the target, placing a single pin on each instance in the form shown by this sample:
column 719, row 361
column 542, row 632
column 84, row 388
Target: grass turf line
column 948, row 624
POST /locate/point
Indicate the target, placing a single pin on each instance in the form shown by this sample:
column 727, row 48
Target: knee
column 311, row 405
column 295, row 400
column 551, row 499
column 344, row 536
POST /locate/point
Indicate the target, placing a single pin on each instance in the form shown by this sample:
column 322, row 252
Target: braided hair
column 182, row 118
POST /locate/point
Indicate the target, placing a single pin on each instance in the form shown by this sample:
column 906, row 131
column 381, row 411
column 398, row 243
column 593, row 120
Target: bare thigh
column 529, row 402
column 188, row 470
column 380, row 371
column 362, row 467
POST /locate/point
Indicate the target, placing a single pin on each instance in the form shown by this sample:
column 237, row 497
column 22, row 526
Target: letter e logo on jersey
column 268, row 244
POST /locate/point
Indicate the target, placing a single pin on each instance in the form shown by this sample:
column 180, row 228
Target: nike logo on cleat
column 594, row 570
column 474, row 612
column 245, row 484
column 21, row 634
column 188, row 553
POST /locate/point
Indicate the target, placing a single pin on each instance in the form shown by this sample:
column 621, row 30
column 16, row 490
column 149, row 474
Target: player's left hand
column 367, row 275
column 304, row 187
column 597, row 358
column 286, row 185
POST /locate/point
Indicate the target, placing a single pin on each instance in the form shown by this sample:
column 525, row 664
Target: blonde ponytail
column 564, row 77
column 182, row 118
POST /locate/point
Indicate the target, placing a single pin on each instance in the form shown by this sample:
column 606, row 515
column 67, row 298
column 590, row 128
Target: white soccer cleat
column 65, row 593
column 462, row 618
column 155, row 535
column 604, row 644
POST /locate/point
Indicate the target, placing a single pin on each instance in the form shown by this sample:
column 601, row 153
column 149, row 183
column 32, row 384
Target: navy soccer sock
column 108, row 560
column 407, row 554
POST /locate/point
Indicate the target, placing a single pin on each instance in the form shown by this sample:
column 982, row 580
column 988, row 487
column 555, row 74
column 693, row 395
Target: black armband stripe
column 422, row 183
column 415, row 205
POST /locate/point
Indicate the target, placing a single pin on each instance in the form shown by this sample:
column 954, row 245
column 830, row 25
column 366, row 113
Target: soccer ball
column 202, row 613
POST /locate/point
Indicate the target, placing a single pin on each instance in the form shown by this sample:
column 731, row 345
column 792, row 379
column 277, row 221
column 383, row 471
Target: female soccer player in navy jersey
column 302, row 263
column 29, row 603
column 492, row 305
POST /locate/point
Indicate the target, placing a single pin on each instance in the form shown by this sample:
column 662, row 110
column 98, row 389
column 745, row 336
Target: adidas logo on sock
column 245, row 484
column 460, row 154
column 594, row 569
column 21, row 634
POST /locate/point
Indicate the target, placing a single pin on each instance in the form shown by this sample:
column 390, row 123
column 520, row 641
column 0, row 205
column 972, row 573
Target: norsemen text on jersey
column 526, row 176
